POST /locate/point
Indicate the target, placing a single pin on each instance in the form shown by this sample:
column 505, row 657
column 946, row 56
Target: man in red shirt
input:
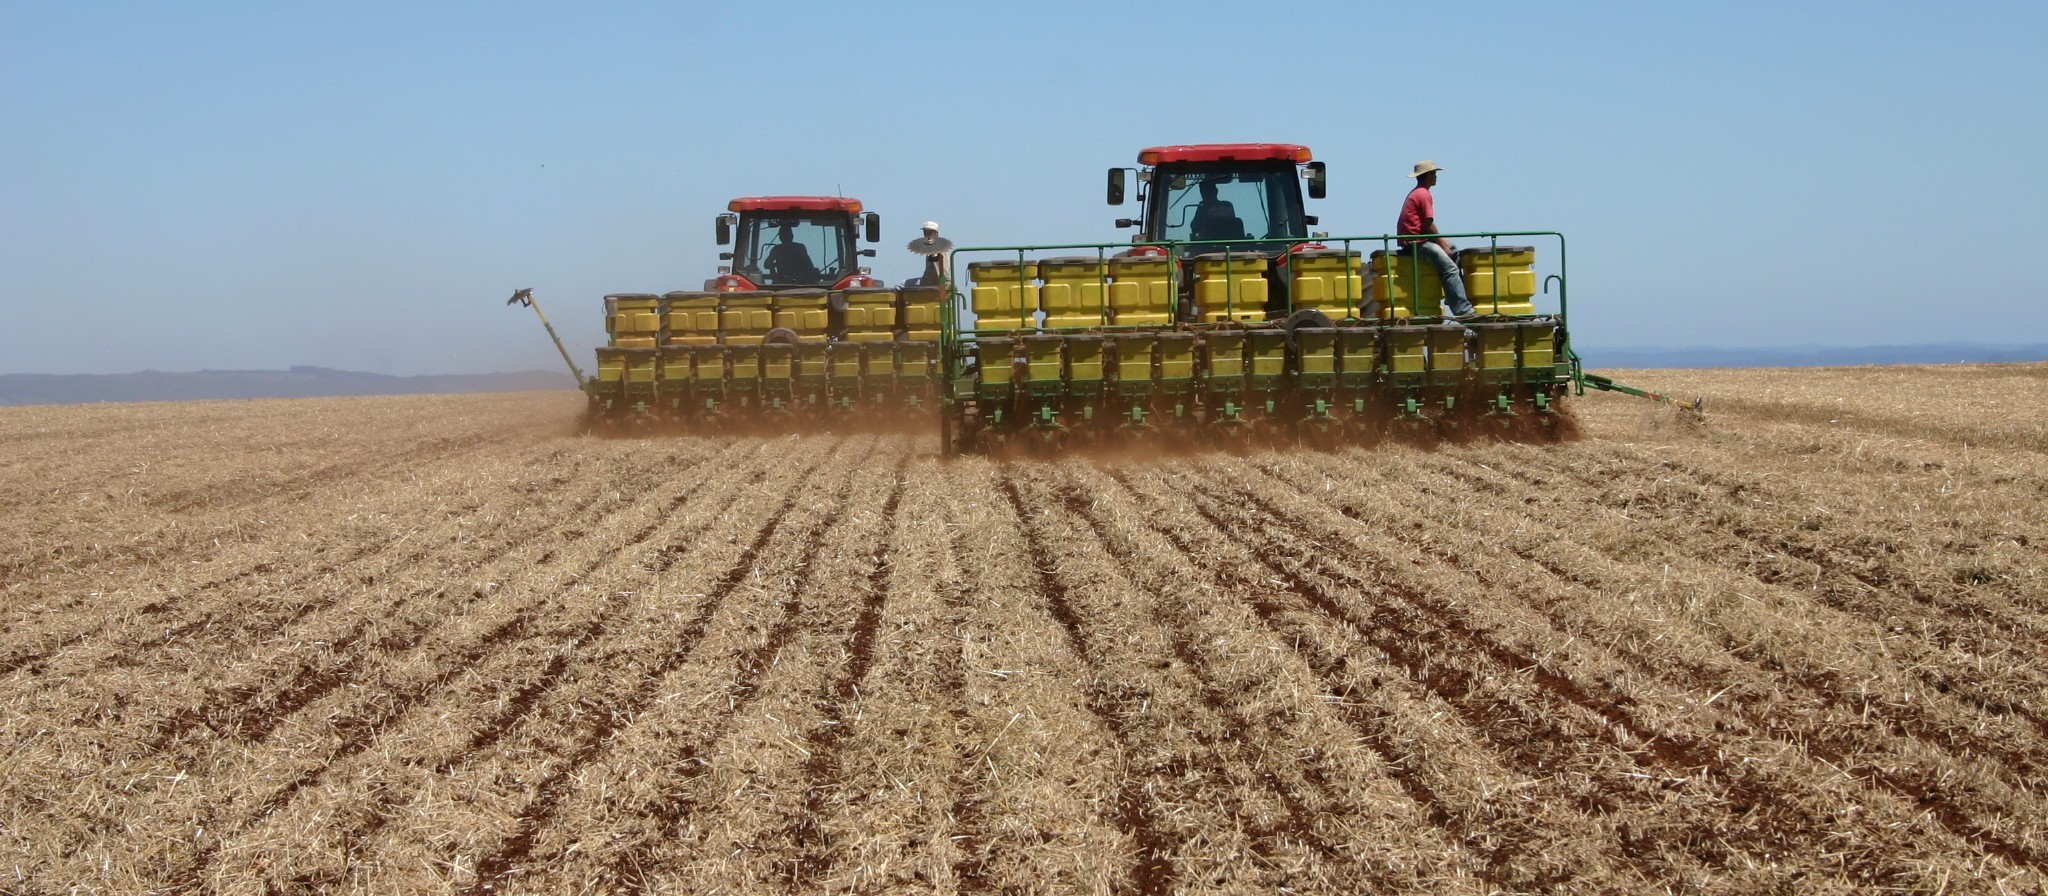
column 1418, row 218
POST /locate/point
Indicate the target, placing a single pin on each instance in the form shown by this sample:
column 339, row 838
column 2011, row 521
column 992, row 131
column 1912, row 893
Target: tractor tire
column 1306, row 318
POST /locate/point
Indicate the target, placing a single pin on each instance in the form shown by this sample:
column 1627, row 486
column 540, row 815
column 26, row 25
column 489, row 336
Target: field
column 443, row 644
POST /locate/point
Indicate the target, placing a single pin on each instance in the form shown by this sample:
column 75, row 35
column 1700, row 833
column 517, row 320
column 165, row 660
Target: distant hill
column 317, row 382
column 1811, row 355
column 298, row 382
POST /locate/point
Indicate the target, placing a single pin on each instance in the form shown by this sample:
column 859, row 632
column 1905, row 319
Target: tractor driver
column 1215, row 219
column 1418, row 218
column 789, row 261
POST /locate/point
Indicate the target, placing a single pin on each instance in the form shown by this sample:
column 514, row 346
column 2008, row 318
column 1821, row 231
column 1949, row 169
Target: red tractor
column 794, row 242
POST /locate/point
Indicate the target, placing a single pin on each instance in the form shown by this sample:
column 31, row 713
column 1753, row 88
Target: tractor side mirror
column 874, row 222
column 1116, row 186
column 725, row 230
column 1318, row 180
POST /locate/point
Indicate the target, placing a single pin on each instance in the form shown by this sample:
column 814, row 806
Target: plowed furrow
column 1859, row 549
column 1518, row 845
column 1560, row 714
column 527, row 626
column 520, row 680
column 1858, row 734
column 822, row 771
column 217, row 497
column 1154, row 870
column 515, row 849
column 968, row 833
column 128, row 636
column 1242, row 736
column 1678, row 755
column 746, row 687
column 1950, row 665
column 251, row 708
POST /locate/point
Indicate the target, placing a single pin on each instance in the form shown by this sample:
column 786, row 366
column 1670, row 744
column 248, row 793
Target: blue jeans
column 1447, row 270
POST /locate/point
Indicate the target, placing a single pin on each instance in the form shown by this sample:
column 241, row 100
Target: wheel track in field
column 814, row 858
column 969, row 867
column 147, row 634
column 1373, row 732
column 368, row 637
column 1901, row 776
column 359, row 730
column 1154, row 871
column 1955, row 623
column 1674, row 752
column 1213, row 695
column 548, row 794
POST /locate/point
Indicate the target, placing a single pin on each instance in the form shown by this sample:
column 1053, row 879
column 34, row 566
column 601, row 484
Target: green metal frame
column 954, row 334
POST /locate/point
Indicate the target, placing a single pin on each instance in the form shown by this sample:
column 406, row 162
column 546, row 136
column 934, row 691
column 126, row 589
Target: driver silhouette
column 1215, row 219
column 788, row 261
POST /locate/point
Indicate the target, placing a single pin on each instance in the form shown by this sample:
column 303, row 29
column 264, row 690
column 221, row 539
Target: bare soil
column 446, row 644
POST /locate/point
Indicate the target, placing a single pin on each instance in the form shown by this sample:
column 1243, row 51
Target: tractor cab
column 1245, row 196
column 794, row 242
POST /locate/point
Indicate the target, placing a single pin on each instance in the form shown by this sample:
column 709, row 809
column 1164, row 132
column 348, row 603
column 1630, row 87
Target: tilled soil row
column 305, row 731
column 347, row 624
column 1950, row 640
column 1039, row 797
column 1265, row 749
column 1393, row 688
column 509, row 681
column 176, row 599
column 1959, row 771
column 1901, row 776
column 1863, row 547
column 759, row 671
column 1959, row 701
column 1557, row 712
column 168, row 496
column 896, row 809
column 653, row 660
column 534, row 691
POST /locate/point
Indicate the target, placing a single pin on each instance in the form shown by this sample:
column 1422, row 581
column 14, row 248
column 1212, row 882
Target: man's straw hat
column 1424, row 167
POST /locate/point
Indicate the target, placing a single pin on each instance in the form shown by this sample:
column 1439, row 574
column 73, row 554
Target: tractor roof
column 794, row 203
column 1225, row 152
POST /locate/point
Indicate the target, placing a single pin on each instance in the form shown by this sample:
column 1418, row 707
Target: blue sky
column 231, row 186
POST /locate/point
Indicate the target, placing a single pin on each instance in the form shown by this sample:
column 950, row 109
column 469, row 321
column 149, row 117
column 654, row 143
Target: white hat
column 1424, row 167
column 930, row 225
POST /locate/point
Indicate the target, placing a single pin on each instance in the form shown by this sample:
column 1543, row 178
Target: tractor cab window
column 1230, row 203
column 792, row 250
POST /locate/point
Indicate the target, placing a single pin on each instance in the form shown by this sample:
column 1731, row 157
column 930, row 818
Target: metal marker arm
column 525, row 297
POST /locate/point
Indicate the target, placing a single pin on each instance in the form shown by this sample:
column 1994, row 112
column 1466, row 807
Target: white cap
column 931, row 225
